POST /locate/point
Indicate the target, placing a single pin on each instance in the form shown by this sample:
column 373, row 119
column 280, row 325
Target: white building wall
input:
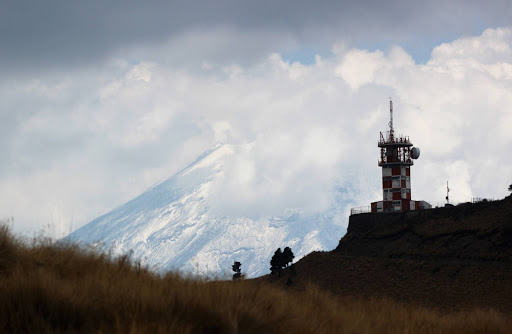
column 386, row 171
column 425, row 205
column 387, row 195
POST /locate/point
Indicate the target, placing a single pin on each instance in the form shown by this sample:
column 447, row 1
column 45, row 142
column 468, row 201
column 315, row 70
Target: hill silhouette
column 61, row 288
column 449, row 258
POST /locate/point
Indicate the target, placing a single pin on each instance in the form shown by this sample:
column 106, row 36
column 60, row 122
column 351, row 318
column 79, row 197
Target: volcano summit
column 171, row 226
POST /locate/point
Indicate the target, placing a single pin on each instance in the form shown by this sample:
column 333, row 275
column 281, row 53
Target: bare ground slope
column 449, row 258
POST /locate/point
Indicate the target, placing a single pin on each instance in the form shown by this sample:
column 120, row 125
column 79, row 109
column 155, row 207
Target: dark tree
column 510, row 187
column 276, row 263
column 237, row 271
column 287, row 256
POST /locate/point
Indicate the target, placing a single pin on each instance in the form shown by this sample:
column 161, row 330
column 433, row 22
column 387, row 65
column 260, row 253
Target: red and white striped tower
column 396, row 155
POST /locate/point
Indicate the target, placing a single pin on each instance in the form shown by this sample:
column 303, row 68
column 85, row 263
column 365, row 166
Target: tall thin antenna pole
column 447, row 193
column 391, row 131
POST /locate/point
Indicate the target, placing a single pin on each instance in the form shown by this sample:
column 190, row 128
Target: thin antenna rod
column 447, row 193
column 391, row 131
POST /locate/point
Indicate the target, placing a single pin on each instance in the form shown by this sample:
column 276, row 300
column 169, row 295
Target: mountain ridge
column 171, row 226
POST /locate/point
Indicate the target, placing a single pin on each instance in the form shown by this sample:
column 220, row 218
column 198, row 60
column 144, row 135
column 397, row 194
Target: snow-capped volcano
column 171, row 226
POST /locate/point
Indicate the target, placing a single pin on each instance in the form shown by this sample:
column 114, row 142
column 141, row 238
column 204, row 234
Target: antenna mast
column 447, row 193
column 391, row 131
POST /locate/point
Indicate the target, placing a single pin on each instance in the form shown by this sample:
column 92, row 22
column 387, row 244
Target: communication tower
column 396, row 158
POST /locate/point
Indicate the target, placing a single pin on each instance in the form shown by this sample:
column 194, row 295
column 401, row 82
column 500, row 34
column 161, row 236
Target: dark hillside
column 480, row 231
column 456, row 257
column 61, row 288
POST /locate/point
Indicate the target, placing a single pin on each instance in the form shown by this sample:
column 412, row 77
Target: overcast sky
column 100, row 101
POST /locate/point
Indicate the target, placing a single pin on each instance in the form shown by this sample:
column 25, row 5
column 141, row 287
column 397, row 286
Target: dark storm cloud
column 59, row 33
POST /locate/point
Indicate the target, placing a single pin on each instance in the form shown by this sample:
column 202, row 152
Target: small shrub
column 237, row 271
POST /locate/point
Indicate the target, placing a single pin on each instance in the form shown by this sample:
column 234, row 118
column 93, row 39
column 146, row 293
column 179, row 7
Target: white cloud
column 492, row 47
column 360, row 67
column 77, row 148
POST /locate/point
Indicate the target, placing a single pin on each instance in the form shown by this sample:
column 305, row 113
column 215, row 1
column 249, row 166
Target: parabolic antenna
column 415, row 153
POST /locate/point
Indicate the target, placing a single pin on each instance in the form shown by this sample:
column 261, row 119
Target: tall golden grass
column 48, row 288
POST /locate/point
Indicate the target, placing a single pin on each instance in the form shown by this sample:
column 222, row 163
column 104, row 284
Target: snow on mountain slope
column 170, row 227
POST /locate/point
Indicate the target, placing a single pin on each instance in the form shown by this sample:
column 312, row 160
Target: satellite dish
column 415, row 153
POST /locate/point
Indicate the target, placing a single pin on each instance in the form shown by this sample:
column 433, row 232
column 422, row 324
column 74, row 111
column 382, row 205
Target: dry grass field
column 48, row 288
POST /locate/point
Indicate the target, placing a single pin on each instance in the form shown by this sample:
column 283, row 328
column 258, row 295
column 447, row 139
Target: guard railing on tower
column 360, row 209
